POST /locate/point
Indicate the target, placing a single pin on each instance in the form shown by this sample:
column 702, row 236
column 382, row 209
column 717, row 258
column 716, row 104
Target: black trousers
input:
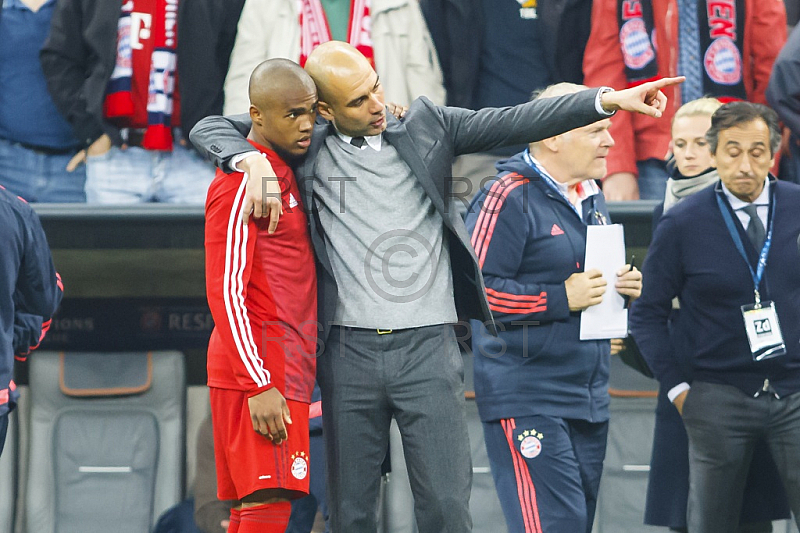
column 723, row 425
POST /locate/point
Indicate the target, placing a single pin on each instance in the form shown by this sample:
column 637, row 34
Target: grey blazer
column 427, row 139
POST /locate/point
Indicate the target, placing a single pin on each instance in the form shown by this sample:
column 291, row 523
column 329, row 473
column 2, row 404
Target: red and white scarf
column 141, row 92
column 314, row 29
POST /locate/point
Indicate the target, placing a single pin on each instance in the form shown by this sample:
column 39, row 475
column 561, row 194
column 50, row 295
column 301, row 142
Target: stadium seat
column 106, row 440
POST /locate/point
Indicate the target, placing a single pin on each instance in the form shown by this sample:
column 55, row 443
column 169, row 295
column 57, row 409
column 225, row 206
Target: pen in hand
column 625, row 297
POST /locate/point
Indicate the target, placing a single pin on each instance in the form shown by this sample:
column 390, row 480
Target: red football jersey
column 262, row 291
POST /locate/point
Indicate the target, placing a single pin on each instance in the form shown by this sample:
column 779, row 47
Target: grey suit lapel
column 305, row 180
column 397, row 135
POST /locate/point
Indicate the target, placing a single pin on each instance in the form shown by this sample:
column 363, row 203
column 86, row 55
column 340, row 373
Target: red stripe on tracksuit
column 502, row 302
column 484, row 228
column 505, row 302
column 525, row 489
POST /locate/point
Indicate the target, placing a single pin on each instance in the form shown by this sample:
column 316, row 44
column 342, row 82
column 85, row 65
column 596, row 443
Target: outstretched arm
column 477, row 131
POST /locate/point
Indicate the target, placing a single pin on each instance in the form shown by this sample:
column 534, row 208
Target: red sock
column 235, row 520
column 266, row 518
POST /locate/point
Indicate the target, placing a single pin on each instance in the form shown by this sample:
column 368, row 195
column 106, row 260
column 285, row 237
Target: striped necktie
column 689, row 60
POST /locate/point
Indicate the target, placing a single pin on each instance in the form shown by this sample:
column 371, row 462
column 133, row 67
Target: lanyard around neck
column 549, row 180
column 737, row 240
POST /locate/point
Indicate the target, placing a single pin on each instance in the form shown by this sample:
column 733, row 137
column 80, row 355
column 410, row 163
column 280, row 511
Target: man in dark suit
column 729, row 253
column 396, row 271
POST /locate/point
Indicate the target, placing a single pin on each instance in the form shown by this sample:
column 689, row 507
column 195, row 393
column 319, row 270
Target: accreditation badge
column 763, row 330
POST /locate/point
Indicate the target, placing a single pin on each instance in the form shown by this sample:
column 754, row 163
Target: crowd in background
column 75, row 127
column 97, row 100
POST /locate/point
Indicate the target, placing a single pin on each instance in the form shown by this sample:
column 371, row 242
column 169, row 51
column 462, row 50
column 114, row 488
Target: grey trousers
column 723, row 425
column 417, row 377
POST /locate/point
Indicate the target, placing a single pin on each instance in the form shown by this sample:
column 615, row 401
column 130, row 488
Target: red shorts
column 248, row 461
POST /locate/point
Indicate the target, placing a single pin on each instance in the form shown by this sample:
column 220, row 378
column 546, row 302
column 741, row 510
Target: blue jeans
column 135, row 175
column 652, row 179
column 39, row 177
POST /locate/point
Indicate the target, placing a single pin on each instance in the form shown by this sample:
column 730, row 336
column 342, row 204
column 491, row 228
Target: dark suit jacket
column 427, row 139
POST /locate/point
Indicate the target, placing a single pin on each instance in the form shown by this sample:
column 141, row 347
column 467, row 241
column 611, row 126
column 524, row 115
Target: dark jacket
column 529, row 241
column 783, row 91
column 693, row 256
column 427, row 140
column 30, row 289
column 457, row 28
column 668, row 483
column 80, row 53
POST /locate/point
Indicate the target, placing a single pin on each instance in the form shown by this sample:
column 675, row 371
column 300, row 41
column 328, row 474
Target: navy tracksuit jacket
column 527, row 248
column 30, row 289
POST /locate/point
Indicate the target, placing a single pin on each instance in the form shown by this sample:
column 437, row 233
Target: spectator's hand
column 263, row 193
column 585, row 289
column 646, row 98
column 617, row 345
column 225, row 524
column 399, row 111
column 268, row 411
column 629, row 282
column 678, row 401
column 621, row 187
column 99, row 147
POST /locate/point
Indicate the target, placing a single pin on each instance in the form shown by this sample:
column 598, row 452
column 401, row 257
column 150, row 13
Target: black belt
column 135, row 136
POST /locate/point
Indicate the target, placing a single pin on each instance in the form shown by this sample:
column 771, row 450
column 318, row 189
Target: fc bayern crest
column 637, row 51
column 300, row 467
column 723, row 62
column 530, row 447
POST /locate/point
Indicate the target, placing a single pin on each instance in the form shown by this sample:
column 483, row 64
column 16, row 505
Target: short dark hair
column 734, row 113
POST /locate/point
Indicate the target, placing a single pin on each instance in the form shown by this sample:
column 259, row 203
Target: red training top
column 262, row 291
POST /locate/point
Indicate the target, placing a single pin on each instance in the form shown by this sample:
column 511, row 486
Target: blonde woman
column 692, row 167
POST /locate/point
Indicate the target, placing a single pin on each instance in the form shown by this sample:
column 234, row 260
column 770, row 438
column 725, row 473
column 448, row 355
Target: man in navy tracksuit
column 30, row 291
column 542, row 393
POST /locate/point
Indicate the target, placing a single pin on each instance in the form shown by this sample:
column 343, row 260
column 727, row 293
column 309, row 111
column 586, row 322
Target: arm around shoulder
column 220, row 138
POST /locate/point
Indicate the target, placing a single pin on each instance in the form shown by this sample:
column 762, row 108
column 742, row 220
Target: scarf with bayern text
column 141, row 92
column 721, row 25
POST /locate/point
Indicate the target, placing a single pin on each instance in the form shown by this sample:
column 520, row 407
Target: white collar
column 736, row 203
column 587, row 187
column 374, row 141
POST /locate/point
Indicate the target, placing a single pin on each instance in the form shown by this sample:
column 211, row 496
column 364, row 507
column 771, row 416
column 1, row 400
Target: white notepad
column 605, row 251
